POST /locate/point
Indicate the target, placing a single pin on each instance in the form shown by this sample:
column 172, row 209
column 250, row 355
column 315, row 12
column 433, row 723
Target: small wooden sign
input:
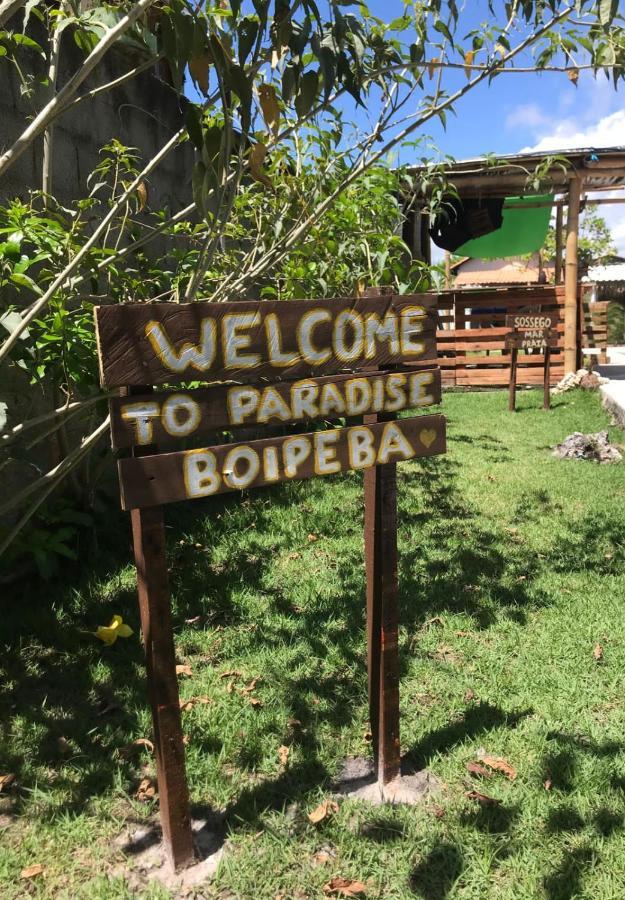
column 531, row 331
column 266, row 364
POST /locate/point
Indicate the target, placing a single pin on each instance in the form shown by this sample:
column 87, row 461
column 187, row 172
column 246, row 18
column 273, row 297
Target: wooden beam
column 571, row 276
column 559, row 224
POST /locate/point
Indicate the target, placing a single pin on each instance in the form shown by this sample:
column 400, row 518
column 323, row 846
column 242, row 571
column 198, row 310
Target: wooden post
column 382, row 614
column 546, row 391
column 148, row 533
column 512, row 385
column 570, row 277
column 382, row 607
column 558, row 261
column 447, row 270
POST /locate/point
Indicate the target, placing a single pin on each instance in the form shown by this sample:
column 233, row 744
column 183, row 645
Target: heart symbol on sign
column 427, row 437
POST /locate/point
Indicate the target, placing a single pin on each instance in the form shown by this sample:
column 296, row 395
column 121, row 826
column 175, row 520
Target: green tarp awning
column 523, row 230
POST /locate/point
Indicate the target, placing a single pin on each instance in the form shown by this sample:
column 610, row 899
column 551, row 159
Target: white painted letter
column 394, row 441
column 180, row 403
column 140, row 415
column 274, row 340
column 348, row 319
column 418, row 383
column 272, row 406
column 411, row 324
column 245, row 478
column 233, row 342
column 295, row 451
column 396, row 393
column 199, row 357
column 357, row 396
column 242, row 402
column 326, row 462
column 360, row 447
column 303, row 397
column 304, row 336
column 385, row 330
column 200, row 476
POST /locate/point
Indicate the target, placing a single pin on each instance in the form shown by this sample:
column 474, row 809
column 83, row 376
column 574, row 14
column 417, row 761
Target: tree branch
column 56, row 105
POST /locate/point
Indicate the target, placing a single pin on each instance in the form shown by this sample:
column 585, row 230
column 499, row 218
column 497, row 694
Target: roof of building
column 602, row 168
column 508, row 271
column 606, row 273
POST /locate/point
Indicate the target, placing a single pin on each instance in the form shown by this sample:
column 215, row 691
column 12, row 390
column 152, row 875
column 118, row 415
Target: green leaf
column 442, row 28
column 290, row 77
column 607, row 11
column 25, row 281
column 241, row 84
column 309, row 83
column 247, row 31
column 193, row 116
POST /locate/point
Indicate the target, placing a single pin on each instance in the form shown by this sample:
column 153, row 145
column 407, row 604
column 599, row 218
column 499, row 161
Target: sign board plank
column 164, row 343
column 186, row 475
column 531, row 320
column 528, row 339
column 162, row 418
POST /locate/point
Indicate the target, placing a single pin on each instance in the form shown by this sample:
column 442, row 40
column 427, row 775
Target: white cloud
column 605, row 131
column 608, row 131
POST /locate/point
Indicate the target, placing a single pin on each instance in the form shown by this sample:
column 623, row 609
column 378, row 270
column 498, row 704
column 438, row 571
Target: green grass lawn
column 512, row 572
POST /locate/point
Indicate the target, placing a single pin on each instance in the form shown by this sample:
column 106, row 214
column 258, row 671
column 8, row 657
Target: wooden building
column 571, row 177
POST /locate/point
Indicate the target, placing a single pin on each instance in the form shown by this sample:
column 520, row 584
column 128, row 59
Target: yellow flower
column 110, row 633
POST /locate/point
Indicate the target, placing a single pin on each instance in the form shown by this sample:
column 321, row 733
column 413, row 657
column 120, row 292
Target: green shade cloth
column 523, row 230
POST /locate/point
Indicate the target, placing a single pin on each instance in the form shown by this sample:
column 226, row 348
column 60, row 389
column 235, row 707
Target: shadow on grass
column 56, row 686
column 435, row 877
column 560, row 766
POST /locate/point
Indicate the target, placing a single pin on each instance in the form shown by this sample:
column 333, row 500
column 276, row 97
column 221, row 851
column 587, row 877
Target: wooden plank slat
column 164, row 343
column 173, row 416
column 166, row 478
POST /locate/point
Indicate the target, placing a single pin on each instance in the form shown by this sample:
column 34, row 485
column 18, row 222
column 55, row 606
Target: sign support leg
column 382, row 616
column 547, row 394
column 148, row 532
column 512, row 388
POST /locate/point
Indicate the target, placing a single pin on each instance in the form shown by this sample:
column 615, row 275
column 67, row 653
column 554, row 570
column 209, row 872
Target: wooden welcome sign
column 266, row 366
column 531, row 330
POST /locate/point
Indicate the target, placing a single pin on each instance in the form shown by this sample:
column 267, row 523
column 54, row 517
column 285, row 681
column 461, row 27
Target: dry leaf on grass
column 254, row 701
column 146, row 790
column 127, row 751
column 64, row 745
column 283, row 754
column 193, row 620
column 482, row 799
column 345, row 887
column 322, row 811
column 32, row 871
column 476, row 769
column 469, row 695
column 232, row 673
column 294, row 723
column 499, row 765
column 6, row 781
column 323, row 856
column 547, row 783
column 194, row 701
column 438, row 812
column 184, row 670
column 312, row 538
column 249, row 687
column 598, row 652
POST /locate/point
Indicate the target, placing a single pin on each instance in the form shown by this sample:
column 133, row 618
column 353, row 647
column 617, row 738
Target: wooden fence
column 471, row 333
